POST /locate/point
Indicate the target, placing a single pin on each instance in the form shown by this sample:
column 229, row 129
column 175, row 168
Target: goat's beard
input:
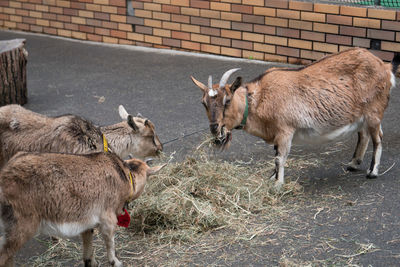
column 223, row 140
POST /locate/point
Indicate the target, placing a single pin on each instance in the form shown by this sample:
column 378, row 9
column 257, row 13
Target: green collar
column 245, row 115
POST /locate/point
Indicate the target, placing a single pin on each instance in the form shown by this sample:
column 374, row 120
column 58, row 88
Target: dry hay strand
column 186, row 201
column 199, row 195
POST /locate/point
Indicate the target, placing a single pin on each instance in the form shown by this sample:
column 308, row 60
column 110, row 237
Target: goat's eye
column 227, row 102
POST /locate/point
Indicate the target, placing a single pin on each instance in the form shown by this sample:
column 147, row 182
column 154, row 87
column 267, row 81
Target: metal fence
column 376, row 3
column 382, row 3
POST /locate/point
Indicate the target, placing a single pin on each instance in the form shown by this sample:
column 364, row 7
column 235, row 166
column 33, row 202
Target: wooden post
column 13, row 58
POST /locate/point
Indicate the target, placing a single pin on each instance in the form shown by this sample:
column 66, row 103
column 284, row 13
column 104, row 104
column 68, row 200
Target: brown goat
column 24, row 130
column 329, row 99
column 66, row 195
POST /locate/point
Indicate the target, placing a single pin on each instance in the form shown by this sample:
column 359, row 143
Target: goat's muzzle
column 222, row 141
column 214, row 128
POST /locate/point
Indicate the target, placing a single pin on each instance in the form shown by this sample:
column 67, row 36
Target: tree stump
column 13, row 58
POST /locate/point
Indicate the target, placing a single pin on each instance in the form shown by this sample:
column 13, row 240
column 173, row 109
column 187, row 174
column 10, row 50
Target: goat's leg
column 107, row 229
column 376, row 136
column 88, row 252
column 361, row 148
column 15, row 236
column 283, row 144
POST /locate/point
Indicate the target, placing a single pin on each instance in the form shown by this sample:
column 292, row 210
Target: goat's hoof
column 372, row 175
column 91, row 263
column 352, row 168
column 278, row 186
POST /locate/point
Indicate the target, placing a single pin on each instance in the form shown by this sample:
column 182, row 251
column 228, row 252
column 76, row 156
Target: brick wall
column 272, row 30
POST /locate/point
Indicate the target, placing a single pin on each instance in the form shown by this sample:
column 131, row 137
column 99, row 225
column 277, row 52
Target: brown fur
column 24, row 130
column 38, row 189
column 320, row 98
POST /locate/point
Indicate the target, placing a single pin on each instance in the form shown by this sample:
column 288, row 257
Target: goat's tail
column 395, row 62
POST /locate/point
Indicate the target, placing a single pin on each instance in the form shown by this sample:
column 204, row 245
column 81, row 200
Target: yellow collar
column 130, row 177
column 105, row 144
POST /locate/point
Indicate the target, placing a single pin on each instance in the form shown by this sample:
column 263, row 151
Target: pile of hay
column 184, row 201
column 199, row 194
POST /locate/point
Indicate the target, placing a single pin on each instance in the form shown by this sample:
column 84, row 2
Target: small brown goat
column 66, row 195
column 329, row 99
column 24, row 130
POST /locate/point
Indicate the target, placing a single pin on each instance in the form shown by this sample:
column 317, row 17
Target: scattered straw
column 188, row 201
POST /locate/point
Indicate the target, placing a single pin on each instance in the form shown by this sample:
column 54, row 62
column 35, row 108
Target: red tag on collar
column 124, row 219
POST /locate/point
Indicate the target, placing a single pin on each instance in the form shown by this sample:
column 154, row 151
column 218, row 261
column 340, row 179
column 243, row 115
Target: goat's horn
column 226, row 76
column 210, row 82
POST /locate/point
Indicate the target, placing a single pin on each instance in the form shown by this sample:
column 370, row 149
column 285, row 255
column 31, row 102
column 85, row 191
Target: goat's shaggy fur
column 327, row 100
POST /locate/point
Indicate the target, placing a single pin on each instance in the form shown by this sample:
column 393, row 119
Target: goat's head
column 221, row 112
column 140, row 172
column 145, row 142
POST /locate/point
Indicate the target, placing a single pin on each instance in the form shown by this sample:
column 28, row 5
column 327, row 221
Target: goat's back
column 63, row 187
column 24, row 130
column 332, row 92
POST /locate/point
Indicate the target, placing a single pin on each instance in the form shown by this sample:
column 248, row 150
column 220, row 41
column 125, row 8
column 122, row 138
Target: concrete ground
column 91, row 80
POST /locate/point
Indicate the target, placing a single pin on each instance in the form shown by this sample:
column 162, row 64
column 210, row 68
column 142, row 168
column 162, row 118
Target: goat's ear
column 199, row 84
column 132, row 123
column 122, row 112
column 146, row 123
column 236, row 84
column 155, row 169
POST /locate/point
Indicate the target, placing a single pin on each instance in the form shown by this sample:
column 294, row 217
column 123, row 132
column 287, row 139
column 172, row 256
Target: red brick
column 233, row 52
column 102, row 16
column 50, row 30
column 379, row 34
column 361, row 42
column 306, row 6
column 143, row 29
column 88, row 29
column 220, row 41
column 200, row 21
column 210, row 48
column 101, row 31
column 118, row 34
column 242, row 9
column 134, row 20
column 353, row 31
column 264, row 29
column 93, row 22
column 386, row 56
column 210, row 31
column 171, row 9
column 287, row 32
column 190, row 45
column 72, row 27
column 337, row 19
column 70, row 11
column 25, row 27
column 338, row 39
column 35, row 28
column 77, row 5
column 63, row 18
column 180, row 18
column 121, row 3
column 242, row 26
column 287, row 51
column 353, row 11
column 180, row 35
column 253, row 19
column 200, row 4
column 313, row 36
column 242, row 44
column 290, row 14
column 171, row 42
column 390, row 25
column 277, row 3
column 311, row 54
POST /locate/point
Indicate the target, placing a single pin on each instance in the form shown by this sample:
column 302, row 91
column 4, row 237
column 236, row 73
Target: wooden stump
column 13, row 58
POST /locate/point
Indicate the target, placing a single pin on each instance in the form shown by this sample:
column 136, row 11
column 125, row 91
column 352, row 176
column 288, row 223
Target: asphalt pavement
column 91, row 80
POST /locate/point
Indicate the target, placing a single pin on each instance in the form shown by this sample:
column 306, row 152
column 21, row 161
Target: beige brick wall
column 273, row 30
